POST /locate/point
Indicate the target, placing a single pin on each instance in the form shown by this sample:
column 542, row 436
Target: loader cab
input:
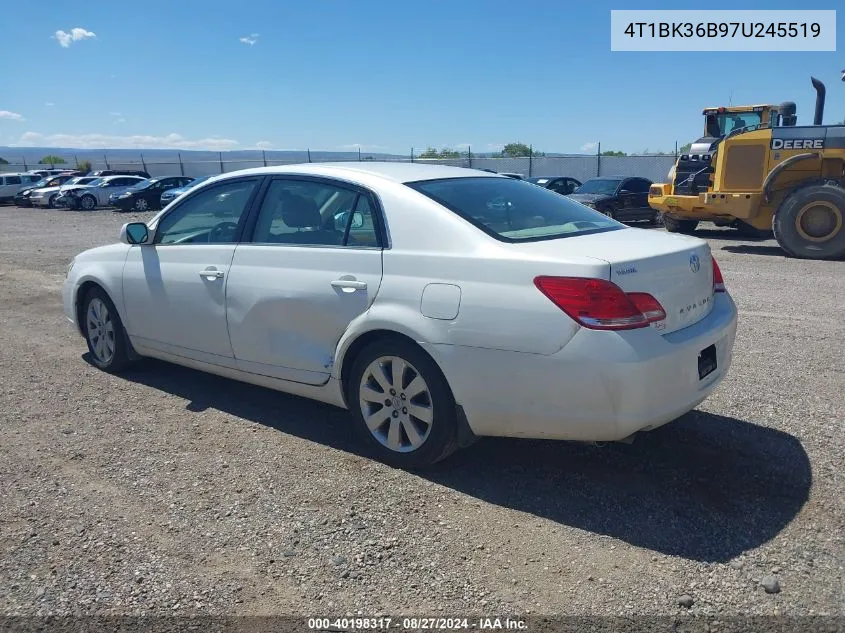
column 720, row 122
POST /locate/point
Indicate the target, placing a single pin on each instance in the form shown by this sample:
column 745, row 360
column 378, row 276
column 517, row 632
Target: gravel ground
column 168, row 491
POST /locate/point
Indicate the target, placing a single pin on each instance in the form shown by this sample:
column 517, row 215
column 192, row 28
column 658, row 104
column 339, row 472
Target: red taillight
column 718, row 282
column 648, row 306
column 599, row 304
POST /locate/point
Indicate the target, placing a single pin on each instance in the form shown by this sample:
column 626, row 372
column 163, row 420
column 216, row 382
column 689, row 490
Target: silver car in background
column 96, row 194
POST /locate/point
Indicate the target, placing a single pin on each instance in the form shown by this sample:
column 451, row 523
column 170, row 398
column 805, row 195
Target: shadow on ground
column 707, row 487
column 755, row 249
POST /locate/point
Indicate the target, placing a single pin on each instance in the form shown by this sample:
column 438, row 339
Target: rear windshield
column 514, row 210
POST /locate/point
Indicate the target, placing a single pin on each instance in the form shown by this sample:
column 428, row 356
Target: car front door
column 640, row 187
column 313, row 263
column 175, row 288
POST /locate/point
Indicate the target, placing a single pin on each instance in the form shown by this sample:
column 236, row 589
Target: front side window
column 512, row 210
column 315, row 213
column 211, row 216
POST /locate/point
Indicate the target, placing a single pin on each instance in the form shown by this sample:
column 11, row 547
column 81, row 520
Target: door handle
column 349, row 284
column 211, row 274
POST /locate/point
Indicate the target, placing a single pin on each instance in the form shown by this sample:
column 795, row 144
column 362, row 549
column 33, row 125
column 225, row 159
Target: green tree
column 433, row 152
column 613, row 153
column 683, row 149
column 52, row 160
column 85, row 166
column 518, row 150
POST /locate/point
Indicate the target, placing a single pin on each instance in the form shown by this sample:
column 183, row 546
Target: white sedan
column 437, row 304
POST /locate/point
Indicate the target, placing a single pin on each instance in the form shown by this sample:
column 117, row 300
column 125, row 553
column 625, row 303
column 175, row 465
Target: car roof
column 394, row 171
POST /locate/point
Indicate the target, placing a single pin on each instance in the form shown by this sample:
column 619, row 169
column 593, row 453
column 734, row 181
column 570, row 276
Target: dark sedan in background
column 622, row 198
column 146, row 196
column 562, row 184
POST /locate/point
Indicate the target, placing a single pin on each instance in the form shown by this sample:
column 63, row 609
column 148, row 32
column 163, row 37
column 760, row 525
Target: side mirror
column 134, row 233
column 341, row 219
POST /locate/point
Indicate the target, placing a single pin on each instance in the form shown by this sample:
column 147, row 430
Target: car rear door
column 311, row 265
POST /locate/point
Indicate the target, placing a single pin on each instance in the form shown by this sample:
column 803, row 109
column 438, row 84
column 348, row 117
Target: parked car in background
column 21, row 199
column 171, row 194
column 562, row 185
column 44, row 173
column 146, row 195
column 47, row 196
column 364, row 285
column 96, row 193
column 619, row 197
column 102, row 173
column 14, row 183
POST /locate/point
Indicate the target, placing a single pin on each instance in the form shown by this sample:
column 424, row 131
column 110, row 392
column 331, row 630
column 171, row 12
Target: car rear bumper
column 602, row 386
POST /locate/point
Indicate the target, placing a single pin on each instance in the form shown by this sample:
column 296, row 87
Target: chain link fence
column 579, row 166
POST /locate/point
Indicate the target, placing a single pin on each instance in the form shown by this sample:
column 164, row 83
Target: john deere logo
column 694, row 263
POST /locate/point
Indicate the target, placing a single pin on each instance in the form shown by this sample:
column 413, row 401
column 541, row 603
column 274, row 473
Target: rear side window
column 515, row 211
column 13, row 180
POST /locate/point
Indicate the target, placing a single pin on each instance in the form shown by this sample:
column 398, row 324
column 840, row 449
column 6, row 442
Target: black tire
column 789, row 215
column 51, row 202
column 608, row 212
column 89, row 200
column 676, row 225
column 120, row 358
column 747, row 230
column 656, row 219
column 441, row 440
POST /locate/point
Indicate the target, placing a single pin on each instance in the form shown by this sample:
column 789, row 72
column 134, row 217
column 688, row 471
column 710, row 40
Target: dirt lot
column 170, row 491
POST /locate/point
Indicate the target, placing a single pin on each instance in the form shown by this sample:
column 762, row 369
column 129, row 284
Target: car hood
column 45, row 190
column 110, row 252
column 589, row 197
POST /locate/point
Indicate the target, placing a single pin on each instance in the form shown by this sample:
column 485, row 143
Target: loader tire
column 676, row 225
column 810, row 223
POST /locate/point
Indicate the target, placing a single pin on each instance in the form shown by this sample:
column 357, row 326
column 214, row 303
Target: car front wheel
column 88, row 203
column 104, row 332
column 403, row 407
column 141, row 205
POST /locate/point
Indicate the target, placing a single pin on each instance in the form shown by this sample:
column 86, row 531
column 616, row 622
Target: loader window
column 730, row 121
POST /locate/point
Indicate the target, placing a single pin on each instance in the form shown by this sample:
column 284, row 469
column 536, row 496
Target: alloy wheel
column 100, row 330
column 396, row 403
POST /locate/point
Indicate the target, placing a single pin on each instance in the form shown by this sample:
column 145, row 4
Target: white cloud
column 120, row 121
column 111, row 141
column 588, row 147
column 11, row 116
column 250, row 39
column 264, row 145
column 115, row 114
column 76, row 34
column 49, row 104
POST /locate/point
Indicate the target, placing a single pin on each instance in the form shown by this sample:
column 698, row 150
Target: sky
column 382, row 75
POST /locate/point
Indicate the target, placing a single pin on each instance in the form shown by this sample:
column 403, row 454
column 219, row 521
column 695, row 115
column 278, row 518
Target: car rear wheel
column 676, row 225
column 403, row 407
column 88, row 203
column 104, row 332
column 141, row 205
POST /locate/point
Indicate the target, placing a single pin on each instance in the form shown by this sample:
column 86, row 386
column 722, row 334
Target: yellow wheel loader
column 758, row 171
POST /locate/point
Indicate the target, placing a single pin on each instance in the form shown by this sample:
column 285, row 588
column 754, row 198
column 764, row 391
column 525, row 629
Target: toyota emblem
column 694, row 263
